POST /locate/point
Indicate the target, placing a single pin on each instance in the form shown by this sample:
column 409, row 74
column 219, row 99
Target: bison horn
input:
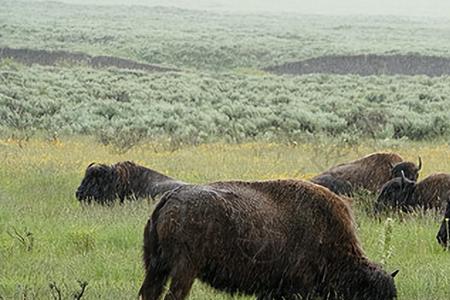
column 91, row 164
column 403, row 178
column 393, row 274
column 420, row 164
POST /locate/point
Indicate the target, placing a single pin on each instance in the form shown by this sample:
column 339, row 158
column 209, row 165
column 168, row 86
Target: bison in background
column 369, row 172
column 407, row 195
column 444, row 231
column 338, row 186
column 273, row 239
column 123, row 180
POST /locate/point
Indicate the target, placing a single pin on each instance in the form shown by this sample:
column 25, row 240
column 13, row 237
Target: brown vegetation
column 52, row 58
column 370, row 64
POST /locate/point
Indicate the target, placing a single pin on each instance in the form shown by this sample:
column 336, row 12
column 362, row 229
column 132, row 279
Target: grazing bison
column 369, row 172
column 337, row 185
column 444, row 231
column 273, row 239
column 123, row 180
column 406, row 195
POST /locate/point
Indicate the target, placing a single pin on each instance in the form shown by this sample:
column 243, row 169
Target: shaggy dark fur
column 123, row 180
column 369, row 172
column 443, row 234
column 272, row 239
column 338, row 186
column 406, row 195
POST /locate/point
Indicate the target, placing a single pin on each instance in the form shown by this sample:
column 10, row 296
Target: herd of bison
column 275, row 239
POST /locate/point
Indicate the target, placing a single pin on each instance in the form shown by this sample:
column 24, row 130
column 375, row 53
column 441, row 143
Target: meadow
column 48, row 238
column 219, row 117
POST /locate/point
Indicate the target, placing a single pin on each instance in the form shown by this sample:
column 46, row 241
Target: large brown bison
column 123, row 180
column 444, row 231
column 273, row 239
column 407, row 195
column 369, row 172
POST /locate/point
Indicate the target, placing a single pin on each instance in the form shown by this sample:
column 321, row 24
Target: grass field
column 219, row 116
column 211, row 40
column 46, row 237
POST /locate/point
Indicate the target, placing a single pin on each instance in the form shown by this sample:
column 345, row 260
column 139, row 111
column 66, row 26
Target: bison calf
column 104, row 184
column 369, row 172
column 273, row 239
column 406, row 195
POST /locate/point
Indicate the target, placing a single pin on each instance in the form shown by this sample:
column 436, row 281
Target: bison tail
column 152, row 249
column 157, row 268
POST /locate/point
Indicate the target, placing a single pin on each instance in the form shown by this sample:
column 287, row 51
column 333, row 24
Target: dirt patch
column 368, row 65
column 52, row 58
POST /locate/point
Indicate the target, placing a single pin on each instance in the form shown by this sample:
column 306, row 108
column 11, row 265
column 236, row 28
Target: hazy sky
column 438, row 8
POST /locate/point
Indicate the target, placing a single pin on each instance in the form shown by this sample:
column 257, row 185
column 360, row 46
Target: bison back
column 284, row 231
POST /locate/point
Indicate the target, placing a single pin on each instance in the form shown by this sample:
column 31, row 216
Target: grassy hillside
column 238, row 103
column 63, row 242
column 206, row 40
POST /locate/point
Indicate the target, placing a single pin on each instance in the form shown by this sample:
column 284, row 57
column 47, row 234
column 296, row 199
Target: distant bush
column 123, row 108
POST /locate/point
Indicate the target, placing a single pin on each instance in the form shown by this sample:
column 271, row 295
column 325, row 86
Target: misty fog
column 430, row 8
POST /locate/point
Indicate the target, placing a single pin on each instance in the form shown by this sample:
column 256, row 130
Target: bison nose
column 78, row 194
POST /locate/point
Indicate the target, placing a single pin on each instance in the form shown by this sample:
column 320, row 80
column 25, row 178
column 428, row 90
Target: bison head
column 443, row 234
column 396, row 193
column 98, row 184
column 337, row 185
column 409, row 169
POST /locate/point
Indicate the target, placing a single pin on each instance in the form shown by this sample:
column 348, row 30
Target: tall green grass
column 47, row 238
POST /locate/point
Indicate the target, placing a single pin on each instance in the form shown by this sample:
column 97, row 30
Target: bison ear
column 393, row 274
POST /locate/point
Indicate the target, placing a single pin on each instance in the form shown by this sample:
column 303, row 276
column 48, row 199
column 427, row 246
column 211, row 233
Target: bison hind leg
column 183, row 275
column 155, row 279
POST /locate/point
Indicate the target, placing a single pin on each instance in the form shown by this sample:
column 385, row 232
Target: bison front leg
column 183, row 276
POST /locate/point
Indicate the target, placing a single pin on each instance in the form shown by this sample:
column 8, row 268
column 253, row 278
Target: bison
column 123, row 180
column 406, row 195
column 337, row 185
column 273, row 239
column 444, row 231
column 369, row 172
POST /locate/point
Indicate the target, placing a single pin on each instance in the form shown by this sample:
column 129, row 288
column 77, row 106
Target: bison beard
column 369, row 172
column 272, row 239
column 123, row 180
